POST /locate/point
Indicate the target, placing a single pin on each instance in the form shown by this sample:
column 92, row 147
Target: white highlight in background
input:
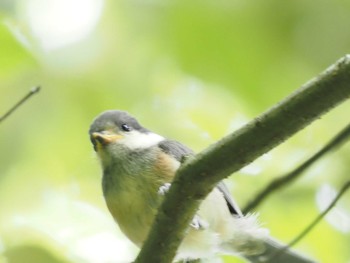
column 338, row 217
column 57, row 23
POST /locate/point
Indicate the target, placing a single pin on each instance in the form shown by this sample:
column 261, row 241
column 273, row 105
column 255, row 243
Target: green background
column 190, row 70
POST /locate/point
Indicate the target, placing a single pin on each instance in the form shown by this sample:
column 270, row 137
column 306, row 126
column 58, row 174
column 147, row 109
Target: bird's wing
column 180, row 152
column 232, row 205
column 176, row 149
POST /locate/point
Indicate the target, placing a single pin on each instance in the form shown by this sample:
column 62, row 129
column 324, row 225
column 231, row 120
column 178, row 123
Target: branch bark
column 198, row 176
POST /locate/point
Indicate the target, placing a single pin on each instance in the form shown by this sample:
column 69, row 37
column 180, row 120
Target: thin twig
column 342, row 191
column 341, row 138
column 19, row 103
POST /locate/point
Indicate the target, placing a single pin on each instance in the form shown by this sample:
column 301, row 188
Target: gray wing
column 180, row 152
column 232, row 205
column 176, row 149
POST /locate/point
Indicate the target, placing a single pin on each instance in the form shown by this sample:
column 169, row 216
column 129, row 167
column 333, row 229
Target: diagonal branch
column 198, row 176
column 341, row 138
column 19, row 103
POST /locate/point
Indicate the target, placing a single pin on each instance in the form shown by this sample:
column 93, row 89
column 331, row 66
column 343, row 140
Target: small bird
column 138, row 168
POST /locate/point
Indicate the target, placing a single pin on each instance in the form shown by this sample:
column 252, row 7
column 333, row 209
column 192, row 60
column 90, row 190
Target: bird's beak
column 101, row 139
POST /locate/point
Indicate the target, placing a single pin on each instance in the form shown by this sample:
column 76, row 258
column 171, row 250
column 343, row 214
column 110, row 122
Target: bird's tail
column 275, row 252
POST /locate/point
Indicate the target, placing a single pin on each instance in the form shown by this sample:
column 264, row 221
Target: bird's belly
column 133, row 213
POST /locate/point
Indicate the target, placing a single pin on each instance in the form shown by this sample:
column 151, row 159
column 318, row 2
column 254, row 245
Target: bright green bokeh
column 190, row 70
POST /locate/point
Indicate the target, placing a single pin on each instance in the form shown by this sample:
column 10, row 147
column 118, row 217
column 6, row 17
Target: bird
column 138, row 167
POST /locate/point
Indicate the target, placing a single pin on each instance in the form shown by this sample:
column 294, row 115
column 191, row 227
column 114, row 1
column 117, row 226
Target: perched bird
column 138, row 168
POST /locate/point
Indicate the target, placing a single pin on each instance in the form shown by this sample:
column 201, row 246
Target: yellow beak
column 102, row 139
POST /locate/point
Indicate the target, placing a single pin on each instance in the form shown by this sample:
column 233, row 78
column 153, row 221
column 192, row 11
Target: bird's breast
column 133, row 213
column 131, row 191
column 133, row 204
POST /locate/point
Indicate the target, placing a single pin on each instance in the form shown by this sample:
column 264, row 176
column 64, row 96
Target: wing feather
column 180, row 152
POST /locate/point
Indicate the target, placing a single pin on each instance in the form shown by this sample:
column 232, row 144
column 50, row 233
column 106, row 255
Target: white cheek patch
column 139, row 140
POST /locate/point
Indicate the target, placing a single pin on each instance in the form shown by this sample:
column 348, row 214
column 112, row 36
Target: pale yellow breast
column 133, row 215
column 134, row 202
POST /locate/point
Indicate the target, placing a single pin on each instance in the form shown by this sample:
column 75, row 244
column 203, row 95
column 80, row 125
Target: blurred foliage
column 190, row 70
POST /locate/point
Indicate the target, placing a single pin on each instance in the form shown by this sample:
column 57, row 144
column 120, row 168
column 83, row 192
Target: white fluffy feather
column 139, row 140
column 223, row 233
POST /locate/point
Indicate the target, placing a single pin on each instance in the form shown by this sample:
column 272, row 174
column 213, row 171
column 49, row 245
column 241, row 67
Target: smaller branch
column 342, row 191
column 280, row 182
column 307, row 230
column 18, row 104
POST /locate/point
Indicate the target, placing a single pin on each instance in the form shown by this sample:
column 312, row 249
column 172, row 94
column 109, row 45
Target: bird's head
column 115, row 133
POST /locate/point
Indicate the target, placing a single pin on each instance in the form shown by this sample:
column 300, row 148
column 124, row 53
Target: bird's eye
column 126, row 127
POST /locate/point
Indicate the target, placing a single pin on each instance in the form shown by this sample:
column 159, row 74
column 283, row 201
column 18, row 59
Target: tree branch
column 24, row 99
column 198, row 176
column 280, row 182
